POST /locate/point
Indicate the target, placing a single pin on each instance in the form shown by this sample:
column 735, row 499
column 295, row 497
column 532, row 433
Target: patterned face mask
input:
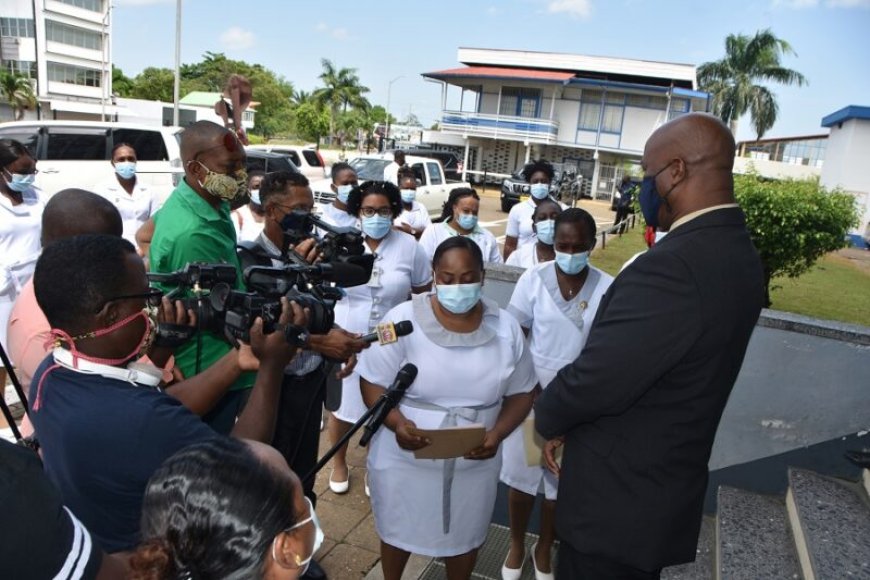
column 225, row 187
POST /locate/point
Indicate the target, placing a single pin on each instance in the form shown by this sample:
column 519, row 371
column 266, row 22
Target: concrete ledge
column 842, row 331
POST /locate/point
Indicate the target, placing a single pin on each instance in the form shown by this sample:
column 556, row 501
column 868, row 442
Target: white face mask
column 318, row 538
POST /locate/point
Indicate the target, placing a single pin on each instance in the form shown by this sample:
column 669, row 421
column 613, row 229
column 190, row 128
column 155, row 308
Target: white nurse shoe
column 512, row 573
column 339, row 487
column 538, row 574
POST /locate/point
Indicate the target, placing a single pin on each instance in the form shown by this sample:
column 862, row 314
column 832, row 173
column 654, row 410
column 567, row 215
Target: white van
column 78, row 153
column 308, row 160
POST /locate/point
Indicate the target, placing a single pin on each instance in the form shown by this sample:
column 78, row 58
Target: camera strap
column 134, row 373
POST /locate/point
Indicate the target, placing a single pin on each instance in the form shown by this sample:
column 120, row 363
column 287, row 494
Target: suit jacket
column 640, row 406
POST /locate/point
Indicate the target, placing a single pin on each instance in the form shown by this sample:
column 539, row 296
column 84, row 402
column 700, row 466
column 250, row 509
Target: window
column 678, row 107
column 77, row 144
column 519, row 102
column 417, row 168
column 611, row 122
column 21, row 67
column 149, row 145
column 94, row 5
column 73, row 35
column 434, row 173
column 20, row 27
column 311, row 157
column 647, row 102
column 294, row 157
column 590, row 110
column 27, row 136
column 74, row 75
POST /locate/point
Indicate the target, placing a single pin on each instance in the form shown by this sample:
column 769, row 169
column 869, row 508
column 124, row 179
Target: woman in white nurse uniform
column 556, row 302
column 135, row 201
column 21, row 208
column 459, row 218
column 544, row 226
column 474, row 368
column 414, row 218
column 400, row 268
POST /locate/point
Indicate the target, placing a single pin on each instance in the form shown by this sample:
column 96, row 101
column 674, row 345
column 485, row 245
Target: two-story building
column 64, row 47
column 590, row 114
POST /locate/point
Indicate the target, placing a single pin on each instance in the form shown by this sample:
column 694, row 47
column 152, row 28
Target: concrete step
column 831, row 525
column 752, row 537
column 702, row 567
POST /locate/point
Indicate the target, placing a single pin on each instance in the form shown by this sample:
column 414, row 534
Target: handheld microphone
column 389, row 400
column 388, row 332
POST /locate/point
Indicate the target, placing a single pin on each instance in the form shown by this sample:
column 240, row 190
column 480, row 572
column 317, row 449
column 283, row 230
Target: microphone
column 342, row 273
column 388, row 333
column 389, row 400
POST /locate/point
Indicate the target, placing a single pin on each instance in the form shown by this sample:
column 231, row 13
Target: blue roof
column 846, row 113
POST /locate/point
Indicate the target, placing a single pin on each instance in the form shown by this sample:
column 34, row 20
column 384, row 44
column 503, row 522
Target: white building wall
column 846, row 165
column 637, row 125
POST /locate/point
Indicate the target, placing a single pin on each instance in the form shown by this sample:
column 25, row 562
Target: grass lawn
column 834, row 289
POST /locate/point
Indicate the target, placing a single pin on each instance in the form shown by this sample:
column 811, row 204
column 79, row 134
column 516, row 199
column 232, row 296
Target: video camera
column 337, row 245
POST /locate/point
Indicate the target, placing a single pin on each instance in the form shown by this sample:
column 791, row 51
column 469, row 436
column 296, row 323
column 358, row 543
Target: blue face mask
column 467, row 221
column 126, row 169
column 546, row 231
column 20, row 182
column 376, row 227
column 649, row 198
column 458, row 298
column 539, row 190
column 343, row 191
column 572, row 263
column 408, row 195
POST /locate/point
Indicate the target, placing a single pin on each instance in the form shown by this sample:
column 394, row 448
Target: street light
column 389, row 88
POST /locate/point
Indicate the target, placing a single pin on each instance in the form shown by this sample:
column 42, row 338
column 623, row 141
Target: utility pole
column 389, row 89
column 176, row 89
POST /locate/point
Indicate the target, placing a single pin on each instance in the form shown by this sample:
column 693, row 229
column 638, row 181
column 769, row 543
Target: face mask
column 343, row 192
column 546, row 230
column 408, row 195
column 225, row 187
column 376, row 226
column 255, row 196
column 20, row 182
column 318, row 538
column 539, row 190
column 467, row 221
column 649, row 198
column 126, row 170
column 458, row 298
column 572, row 263
column 660, row 236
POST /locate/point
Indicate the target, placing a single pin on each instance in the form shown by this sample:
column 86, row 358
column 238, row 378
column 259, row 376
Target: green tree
column 342, row 89
column 733, row 81
column 121, row 83
column 17, row 90
column 310, row 122
column 793, row 222
column 154, row 84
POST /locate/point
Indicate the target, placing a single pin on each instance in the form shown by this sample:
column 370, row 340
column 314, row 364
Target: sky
column 387, row 40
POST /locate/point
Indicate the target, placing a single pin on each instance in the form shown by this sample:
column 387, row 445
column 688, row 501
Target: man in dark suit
column 638, row 410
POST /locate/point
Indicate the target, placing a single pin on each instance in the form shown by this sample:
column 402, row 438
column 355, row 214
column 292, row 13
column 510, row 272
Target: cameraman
column 297, row 428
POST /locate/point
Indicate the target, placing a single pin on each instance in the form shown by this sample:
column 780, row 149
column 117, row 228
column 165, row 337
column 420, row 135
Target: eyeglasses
column 384, row 212
column 152, row 298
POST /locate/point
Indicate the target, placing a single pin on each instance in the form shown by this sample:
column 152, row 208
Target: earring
column 298, row 560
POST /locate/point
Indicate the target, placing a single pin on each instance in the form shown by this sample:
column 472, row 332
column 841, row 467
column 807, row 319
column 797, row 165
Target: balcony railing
column 500, row 126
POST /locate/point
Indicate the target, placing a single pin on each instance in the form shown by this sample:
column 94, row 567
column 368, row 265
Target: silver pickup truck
column 432, row 187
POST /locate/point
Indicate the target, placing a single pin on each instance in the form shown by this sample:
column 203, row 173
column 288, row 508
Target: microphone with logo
column 389, row 400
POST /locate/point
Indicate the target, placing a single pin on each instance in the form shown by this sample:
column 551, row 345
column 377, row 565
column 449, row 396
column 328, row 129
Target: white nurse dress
column 558, row 330
column 400, row 265
column 437, row 233
column 462, row 380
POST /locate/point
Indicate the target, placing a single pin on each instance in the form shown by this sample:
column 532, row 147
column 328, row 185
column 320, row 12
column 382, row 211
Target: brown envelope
column 534, row 444
column 450, row 442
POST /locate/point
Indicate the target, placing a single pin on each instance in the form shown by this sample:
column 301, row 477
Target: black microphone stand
column 390, row 396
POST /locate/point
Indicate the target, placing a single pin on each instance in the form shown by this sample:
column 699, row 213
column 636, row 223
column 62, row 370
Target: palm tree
column 732, row 80
column 341, row 89
column 17, row 90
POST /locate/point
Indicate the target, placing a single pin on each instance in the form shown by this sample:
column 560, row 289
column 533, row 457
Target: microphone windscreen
column 408, row 373
column 404, row 328
column 345, row 275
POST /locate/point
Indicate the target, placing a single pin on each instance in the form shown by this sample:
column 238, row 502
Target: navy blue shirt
column 102, row 439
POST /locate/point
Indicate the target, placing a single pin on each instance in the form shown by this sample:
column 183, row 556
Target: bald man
column 639, row 408
column 194, row 225
column 70, row 212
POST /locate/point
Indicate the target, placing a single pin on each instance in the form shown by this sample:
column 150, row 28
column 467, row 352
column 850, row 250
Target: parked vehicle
column 266, row 162
column 432, row 186
column 450, row 161
column 78, row 153
column 308, row 160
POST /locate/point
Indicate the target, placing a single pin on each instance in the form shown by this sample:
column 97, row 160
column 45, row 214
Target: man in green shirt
column 194, row 226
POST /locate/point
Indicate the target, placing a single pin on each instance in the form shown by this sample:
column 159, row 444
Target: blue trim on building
column 845, row 114
column 689, row 93
column 532, row 126
column 618, row 85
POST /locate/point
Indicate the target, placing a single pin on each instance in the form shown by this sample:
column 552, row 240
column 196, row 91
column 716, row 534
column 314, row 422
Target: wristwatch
column 297, row 335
